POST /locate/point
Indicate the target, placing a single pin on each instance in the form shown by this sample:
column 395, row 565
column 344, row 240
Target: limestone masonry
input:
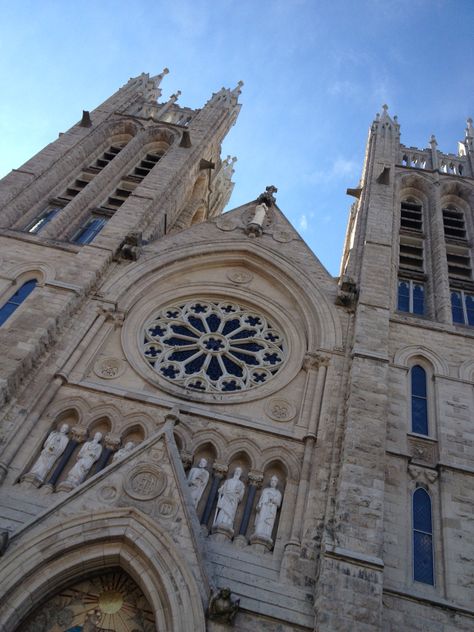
column 202, row 429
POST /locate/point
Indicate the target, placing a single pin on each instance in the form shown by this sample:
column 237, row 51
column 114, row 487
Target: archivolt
column 69, row 551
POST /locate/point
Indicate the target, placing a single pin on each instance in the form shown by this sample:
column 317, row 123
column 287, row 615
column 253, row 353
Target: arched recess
column 410, row 355
column 466, row 371
column 66, row 553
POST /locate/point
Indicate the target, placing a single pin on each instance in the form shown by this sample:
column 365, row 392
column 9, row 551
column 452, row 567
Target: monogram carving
column 145, row 482
column 280, row 409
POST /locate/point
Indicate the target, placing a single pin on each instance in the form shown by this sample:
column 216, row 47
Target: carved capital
column 255, row 479
column 78, row 433
column 112, row 442
column 186, row 459
column 313, row 360
column 220, row 469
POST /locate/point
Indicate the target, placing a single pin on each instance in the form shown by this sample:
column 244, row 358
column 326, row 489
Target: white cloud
column 303, row 222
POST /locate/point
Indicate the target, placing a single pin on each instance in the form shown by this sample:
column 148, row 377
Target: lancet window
column 411, row 285
column 423, row 558
column 419, row 400
column 14, row 302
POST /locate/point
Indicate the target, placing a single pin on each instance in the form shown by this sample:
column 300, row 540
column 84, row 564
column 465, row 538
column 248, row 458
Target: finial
column 175, row 96
column 377, row 117
column 385, row 108
column 395, row 118
column 469, row 128
column 433, row 140
column 237, row 90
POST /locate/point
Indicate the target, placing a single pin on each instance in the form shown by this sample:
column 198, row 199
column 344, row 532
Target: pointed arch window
column 423, row 562
column 419, row 401
column 16, row 300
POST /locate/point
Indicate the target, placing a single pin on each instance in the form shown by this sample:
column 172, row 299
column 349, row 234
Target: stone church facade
column 201, row 428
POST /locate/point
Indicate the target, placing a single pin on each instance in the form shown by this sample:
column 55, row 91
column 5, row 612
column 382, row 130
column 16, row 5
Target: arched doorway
column 106, row 602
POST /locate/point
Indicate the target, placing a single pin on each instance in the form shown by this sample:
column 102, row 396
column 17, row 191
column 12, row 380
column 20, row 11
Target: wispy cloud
column 341, row 168
column 303, row 222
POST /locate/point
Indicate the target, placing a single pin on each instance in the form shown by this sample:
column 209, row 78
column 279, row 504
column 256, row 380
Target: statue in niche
column 53, row 447
column 230, row 495
column 88, row 455
column 123, row 452
column 267, row 507
column 222, row 607
column 197, row 481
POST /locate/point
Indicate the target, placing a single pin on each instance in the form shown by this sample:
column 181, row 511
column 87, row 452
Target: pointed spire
column 159, row 78
column 469, row 135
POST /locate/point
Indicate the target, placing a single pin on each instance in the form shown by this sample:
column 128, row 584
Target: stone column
column 316, row 367
column 78, row 435
column 439, row 264
column 220, row 470
column 255, row 482
column 111, row 445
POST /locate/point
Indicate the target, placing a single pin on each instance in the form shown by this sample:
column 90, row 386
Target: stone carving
column 123, row 452
column 223, row 223
column 108, row 493
column 145, row 482
column 88, row 455
column 230, row 495
column 53, row 447
column 267, row 508
column 222, row 607
column 422, row 474
column 268, row 197
column 109, row 368
column 347, row 292
column 422, row 451
column 283, row 236
column 197, row 481
column 131, row 246
column 280, row 409
column 254, row 227
column 239, row 276
column 167, row 508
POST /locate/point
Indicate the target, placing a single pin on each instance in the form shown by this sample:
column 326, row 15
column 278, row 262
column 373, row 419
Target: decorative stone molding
column 108, row 494
column 255, row 478
column 347, row 292
column 283, row 236
column 109, row 368
column 220, row 469
column 112, row 442
column 422, row 451
column 422, row 474
column 145, row 482
column 313, row 360
column 79, row 434
column 240, row 276
column 280, row 409
column 111, row 314
column 186, row 459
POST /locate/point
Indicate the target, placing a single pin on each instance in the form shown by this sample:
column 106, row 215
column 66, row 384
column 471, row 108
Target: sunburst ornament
column 111, row 602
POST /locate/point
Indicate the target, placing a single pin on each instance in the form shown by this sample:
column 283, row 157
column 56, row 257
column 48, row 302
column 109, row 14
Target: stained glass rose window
column 213, row 347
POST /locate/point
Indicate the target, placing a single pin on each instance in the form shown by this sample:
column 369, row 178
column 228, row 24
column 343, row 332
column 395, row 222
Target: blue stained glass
column 184, row 331
column 469, row 300
column 245, row 333
column 16, row 300
column 230, row 385
column 87, row 233
column 179, row 356
column 41, row 221
column 213, row 321
column 197, row 323
column 232, row 367
column 248, row 359
column 403, row 296
column 419, row 404
column 230, row 325
column 214, row 371
column 248, row 346
column 423, row 567
column 456, row 308
column 178, row 342
column 195, row 365
column 418, row 299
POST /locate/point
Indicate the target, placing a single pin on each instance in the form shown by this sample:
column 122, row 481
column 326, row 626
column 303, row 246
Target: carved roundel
column 213, row 347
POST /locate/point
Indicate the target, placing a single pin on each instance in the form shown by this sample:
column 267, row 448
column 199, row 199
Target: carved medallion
column 145, row 482
column 167, row 508
column 109, row 368
column 283, row 236
column 108, row 493
column 223, row 223
column 239, row 276
column 280, row 409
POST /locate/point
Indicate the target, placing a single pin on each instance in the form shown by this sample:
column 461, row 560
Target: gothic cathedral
column 201, row 428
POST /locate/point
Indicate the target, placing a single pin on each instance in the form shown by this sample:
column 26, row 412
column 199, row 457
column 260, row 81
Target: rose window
column 213, row 347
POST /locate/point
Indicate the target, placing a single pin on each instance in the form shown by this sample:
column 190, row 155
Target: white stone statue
column 230, row 495
column 53, row 447
column 197, row 481
column 88, row 455
column 267, row 507
column 123, row 452
column 260, row 214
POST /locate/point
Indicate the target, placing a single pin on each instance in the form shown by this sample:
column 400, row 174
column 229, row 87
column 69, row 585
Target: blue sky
column 315, row 74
